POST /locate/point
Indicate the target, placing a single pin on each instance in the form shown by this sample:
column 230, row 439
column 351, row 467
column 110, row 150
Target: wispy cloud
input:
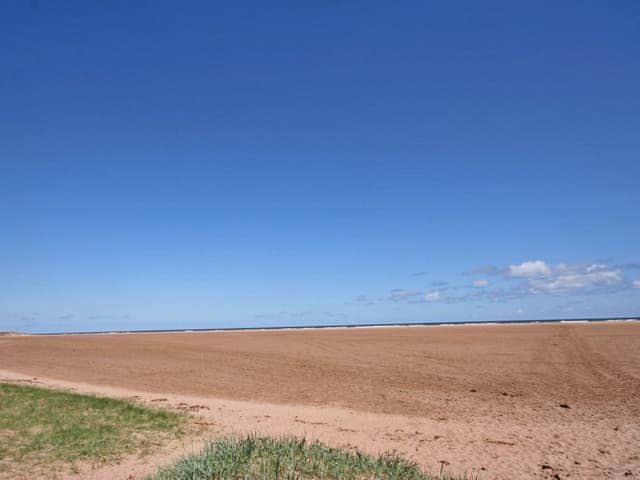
column 628, row 266
column 365, row 300
column 519, row 280
column 571, row 279
column 399, row 294
column 485, row 270
column 433, row 296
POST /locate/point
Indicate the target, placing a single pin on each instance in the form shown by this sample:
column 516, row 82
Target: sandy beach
column 498, row 401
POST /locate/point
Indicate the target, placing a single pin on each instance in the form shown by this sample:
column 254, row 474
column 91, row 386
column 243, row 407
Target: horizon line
column 337, row 325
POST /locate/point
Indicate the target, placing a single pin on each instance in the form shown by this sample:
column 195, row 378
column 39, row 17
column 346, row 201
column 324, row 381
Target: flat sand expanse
column 500, row 401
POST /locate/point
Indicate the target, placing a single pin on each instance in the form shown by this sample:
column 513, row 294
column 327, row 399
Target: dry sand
column 500, row 401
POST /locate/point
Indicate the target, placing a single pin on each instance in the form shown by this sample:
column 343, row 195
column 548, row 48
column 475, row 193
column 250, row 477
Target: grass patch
column 255, row 458
column 46, row 429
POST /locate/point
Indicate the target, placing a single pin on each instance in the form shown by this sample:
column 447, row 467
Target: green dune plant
column 257, row 458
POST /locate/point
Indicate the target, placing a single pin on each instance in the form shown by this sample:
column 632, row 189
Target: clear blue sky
column 201, row 164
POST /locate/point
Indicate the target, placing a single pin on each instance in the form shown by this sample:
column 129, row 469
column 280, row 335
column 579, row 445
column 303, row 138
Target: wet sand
column 501, row 401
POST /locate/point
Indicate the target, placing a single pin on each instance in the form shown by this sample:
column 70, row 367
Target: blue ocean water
column 353, row 325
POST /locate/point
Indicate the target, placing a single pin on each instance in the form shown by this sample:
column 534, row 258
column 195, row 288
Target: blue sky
column 192, row 164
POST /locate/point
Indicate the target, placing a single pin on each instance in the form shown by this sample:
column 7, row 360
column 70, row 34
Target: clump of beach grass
column 46, row 430
column 257, row 458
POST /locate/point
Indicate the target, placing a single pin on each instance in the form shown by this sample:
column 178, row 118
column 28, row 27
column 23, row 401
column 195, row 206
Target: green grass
column 254, row 458
column 47, row 429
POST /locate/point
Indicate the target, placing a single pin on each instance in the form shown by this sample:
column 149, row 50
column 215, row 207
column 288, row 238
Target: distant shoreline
column 332, row 326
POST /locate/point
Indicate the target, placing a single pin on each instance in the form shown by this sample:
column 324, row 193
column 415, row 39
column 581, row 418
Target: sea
column 351, row 325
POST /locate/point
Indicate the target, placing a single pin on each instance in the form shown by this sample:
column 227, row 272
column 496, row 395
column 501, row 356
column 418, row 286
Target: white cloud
column 596, row 267
column 529, row 278
column 536, row 277
column 576, row 280
column 432, row 297
column 530, row 269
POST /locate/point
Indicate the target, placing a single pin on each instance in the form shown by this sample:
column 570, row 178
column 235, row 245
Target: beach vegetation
column 287, row 458
column 44, row 430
